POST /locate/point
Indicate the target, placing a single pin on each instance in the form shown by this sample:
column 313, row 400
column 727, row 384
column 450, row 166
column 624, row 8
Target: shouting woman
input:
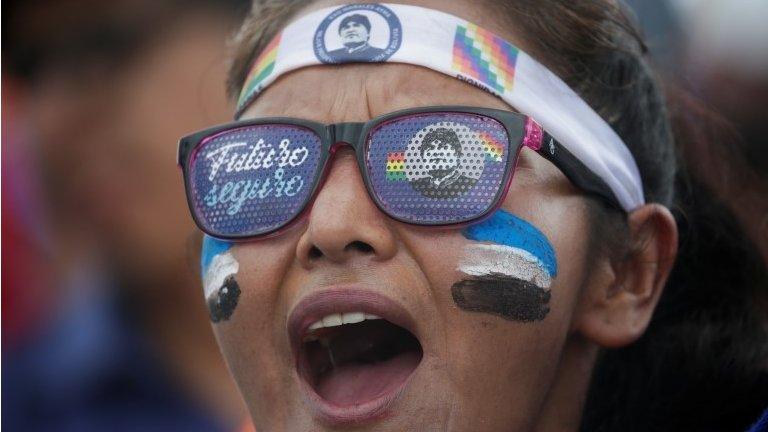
column 442, row 231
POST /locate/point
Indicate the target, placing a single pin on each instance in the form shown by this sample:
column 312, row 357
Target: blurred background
column 103, row 324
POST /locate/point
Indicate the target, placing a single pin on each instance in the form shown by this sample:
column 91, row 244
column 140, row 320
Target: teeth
column 352, row 317
column 332, row 320
column 337, row 319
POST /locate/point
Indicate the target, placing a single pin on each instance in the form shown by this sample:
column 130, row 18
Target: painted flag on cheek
column 219, row 268
column 510, row 270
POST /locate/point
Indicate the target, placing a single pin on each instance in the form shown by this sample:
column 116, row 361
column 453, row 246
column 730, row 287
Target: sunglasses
column 433, row 166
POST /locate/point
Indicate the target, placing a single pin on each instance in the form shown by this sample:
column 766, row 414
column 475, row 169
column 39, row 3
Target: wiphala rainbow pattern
column 262, row 67
column 485, row 57
column 494, row 151
column 396, row 166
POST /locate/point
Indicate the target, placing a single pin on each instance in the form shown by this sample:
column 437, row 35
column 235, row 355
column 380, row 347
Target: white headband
column 399, row 33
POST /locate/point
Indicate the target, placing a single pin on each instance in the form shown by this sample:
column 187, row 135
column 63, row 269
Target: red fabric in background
column 24, row 268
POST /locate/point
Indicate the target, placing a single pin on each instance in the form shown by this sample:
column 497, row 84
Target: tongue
column 356, row 383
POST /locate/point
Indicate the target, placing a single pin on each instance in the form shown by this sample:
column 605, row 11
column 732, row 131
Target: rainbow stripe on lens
column 484, row 57
column 494, row 150
column 396, row 166
column 262, row 67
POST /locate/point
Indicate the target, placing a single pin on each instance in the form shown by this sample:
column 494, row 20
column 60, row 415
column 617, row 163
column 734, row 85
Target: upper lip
column 315, row 306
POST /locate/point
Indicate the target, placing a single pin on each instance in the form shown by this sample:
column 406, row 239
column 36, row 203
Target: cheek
column 509, row 273
column 254, row 340
column 235, row 277
column 495, row 335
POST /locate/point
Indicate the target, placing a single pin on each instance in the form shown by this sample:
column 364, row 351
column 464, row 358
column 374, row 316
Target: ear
column 621, row 293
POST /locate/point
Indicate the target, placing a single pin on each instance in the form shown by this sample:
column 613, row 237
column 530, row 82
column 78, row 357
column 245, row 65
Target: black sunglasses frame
column 356, row 135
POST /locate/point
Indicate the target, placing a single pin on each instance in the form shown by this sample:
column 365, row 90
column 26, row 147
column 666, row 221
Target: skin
column 461, row 384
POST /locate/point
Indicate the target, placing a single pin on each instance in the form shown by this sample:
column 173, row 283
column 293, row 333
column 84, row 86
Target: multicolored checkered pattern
column 485, row 57
column 262, row 67
column 494, row 151
column 396, row 166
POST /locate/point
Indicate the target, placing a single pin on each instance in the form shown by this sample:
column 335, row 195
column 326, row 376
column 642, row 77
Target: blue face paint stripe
column 509, row 230
column 211, row 248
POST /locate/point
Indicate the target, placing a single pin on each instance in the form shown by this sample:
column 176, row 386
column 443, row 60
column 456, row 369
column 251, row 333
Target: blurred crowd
column 103, row 324
column 104, row 327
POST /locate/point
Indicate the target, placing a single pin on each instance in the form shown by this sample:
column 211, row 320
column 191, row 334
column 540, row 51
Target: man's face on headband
column 353, row 33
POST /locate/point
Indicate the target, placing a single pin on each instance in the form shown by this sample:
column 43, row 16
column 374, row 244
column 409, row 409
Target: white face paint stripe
column 487, row 259
column 222, row 266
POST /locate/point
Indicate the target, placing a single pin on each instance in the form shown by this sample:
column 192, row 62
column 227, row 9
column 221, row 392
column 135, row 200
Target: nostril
column 315, row 253
column 359, row 246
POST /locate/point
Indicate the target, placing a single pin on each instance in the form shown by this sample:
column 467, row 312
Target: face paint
column 222, row 304
column 211, row 248
column 509, row 298
column 487, row 259
column 219, row 268
column 506, row 229
column 510, row 278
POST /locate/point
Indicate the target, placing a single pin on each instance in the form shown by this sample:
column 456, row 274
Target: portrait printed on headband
column 355, row 34
column 358, row 33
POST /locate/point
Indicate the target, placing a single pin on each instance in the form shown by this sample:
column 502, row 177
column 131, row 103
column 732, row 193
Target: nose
column 344, row 224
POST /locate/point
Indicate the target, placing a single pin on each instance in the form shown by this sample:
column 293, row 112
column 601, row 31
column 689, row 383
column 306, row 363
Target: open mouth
column 355, row 352
column 353, row 358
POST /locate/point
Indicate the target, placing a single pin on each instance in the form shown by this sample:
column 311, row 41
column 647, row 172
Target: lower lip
column 353, row 415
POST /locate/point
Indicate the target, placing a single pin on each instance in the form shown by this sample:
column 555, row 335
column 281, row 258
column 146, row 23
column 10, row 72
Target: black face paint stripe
column 223, row 302
column 507, row 297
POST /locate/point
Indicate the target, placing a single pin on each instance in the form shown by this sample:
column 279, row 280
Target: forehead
column 387, row 87
column 359, row 92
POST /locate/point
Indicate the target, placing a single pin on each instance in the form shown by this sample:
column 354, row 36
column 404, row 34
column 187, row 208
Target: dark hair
column 442, row 134
column 360, row 19
column 701, row 363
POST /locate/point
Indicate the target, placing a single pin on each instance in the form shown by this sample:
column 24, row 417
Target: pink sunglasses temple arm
column 534, row 134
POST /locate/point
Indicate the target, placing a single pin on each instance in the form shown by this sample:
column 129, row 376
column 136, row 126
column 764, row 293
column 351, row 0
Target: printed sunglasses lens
column 437, row 168
column 253, row 180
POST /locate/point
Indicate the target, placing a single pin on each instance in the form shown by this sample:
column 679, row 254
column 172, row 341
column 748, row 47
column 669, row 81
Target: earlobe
column 621, row 291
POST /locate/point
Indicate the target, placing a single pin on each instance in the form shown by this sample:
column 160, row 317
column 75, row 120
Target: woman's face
column 488, row 309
